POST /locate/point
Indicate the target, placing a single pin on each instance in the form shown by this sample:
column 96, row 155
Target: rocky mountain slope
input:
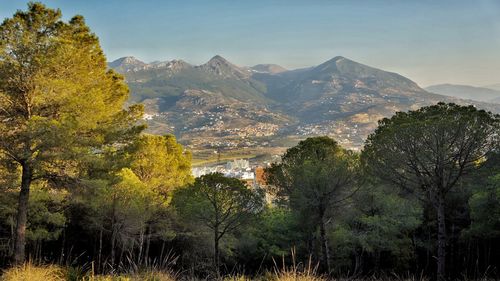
column 267, row 68
column 220, row 104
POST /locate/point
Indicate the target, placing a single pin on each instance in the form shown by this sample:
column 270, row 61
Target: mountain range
column 466, row 92
column 220, row 104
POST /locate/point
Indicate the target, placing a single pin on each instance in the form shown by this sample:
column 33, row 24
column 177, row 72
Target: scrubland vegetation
column 86, row 195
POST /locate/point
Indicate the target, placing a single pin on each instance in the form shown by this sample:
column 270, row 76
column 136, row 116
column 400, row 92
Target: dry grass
column 146, row 276
column 30, row 272
column 294, row 275
column 238, row 277
column 300, row 272
column 296, row 272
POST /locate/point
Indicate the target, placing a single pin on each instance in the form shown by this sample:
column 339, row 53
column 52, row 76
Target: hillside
column 465, row 92
column 219, row 104
column 268, row 68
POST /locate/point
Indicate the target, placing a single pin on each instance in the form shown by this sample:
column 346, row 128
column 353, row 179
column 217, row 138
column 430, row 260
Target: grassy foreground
column 30, row 272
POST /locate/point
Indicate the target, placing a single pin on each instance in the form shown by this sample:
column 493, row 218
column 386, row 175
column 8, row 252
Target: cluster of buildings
column 349, row 134
column 239, row 168
column 257, row 130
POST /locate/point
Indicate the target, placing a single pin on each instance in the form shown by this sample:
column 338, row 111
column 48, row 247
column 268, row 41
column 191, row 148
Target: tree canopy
column 428, row 151
column 219, row 203
column 59, row 103
column 315, row 177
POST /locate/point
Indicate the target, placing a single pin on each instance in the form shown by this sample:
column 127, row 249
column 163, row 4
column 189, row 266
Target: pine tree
column 429, row 151
column 59, row 103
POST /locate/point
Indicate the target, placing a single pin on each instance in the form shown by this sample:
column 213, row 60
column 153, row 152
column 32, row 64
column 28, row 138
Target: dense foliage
column 59, row 102
column 80, row 185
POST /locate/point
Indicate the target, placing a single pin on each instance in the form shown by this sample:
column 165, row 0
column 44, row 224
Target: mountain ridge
column 466, row 92
column 340, row 97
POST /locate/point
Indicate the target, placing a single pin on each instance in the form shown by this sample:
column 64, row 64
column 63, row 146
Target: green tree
column 428, row 151
column 59, row 103
column 122, row 208
column 161, row 163
column 316, row 176
column 380, row 221
column 485, row 200
column 45, row 215
column 272, row 235
column 130, row 193
column 484, row 205
column 219, row 203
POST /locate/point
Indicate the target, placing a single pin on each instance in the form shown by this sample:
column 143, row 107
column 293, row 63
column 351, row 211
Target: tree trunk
column 141, row 246
column 441, row 257
column 12, row 238
column 162, row 250
column 325, row 256
column 22, row 215
column 356, row 262
column 123, row 248
column 148, row 242
column 63, row 243
column 40, row 251
column 310, row 246
column 216, row 251
column 113, row 233
column 99, row 254
column 113, row 247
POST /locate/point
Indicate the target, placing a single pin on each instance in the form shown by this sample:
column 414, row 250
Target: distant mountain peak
column 268, row 68
column 218, row 60
column 127, row 60
column 332, row 64
column 466, row 92
column 125, row 64
column 131, row 59
column 335, row 60
column 220, row 66
column 173, row 64
column 338, row 58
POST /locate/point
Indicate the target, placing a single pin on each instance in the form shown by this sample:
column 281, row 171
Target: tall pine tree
column 59, row 103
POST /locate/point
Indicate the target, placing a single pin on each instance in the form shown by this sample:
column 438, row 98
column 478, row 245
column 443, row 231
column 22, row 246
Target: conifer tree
column 429, row 151
column 59, row 103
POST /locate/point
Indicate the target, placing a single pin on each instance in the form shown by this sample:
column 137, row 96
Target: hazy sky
column 428, row 41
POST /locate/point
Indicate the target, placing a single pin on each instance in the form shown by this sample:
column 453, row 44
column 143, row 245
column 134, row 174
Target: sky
column 430, row 42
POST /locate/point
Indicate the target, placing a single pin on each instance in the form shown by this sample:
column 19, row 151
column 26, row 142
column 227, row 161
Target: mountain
column 127, row 64
column 465, row 92
column 268, row 68
column 223, row 68
column 219, row 104
column 493, row 86
column 168, row 80
column 340, row 87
